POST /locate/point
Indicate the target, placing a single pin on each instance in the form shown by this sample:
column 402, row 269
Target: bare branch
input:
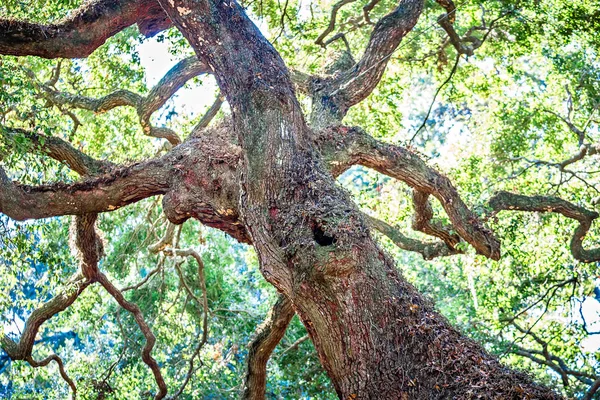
column 358, row 82
column 146, row 331
column 422, row 220
column 61, row 369
column 334, row 10
column 108, row 192
column 173, row 80
column 429, row 250
column 211, row 113
column 65, row 297
column 83, row 31
column 266, row 338
column 510, row 201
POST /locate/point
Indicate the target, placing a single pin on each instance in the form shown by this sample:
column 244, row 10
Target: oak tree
column 264, row 172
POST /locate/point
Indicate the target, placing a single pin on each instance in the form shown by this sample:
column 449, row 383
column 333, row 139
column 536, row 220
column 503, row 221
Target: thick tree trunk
column 375, row 335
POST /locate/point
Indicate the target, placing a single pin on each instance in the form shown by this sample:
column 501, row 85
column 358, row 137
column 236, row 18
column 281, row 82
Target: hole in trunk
column 322, row 238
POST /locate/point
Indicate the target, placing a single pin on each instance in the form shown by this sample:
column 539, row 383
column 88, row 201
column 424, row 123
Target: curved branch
column 58, row 149
column 358, row 82
column 22, row 349
column 266, row 338
column 61, row 369
column 429, row 250
column 334, row 10
column 146, row 331
column 211, row 113
column 105, row 193
column 510, row 201
column 83, row 31
column 173, row 80
column 343, row 147
column 422, row 220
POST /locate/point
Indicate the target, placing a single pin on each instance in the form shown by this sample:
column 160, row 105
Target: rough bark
column 82, row 32
column 273, row 184
column 266, row 338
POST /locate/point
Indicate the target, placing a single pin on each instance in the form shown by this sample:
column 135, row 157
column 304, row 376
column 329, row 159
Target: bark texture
column 268, row 178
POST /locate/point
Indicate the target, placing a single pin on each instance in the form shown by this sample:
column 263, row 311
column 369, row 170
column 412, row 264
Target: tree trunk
column 375, row 335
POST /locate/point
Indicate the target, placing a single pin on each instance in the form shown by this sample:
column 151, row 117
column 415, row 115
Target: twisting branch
column 173, row 80
column 146, row 331
column 422, row 220
column 266, row 338
column 211, row 113
column 22, row 349
column 510, row 201
column 334, row 10
column 58, row 149
column 83, row 31
column 61, row 369
column 108, row 192
column 429, row 250
column 343, row 147
column 358, row 82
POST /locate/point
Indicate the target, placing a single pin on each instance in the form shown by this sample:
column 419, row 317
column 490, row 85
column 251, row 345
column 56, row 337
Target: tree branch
column 146, row 331
column 343, row 147
column 334, row 10
column 58, row 149
column 510, row 201
column 173, row 80
column 108, row 192
column 358, row 82
column 83, row 31
column 266, row 338
column 429, row 250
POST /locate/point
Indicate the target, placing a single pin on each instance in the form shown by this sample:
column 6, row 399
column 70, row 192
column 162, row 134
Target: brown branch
column 22, row 349
column 203, row 303
column 173, row 80
column 334, row 10
column 83, row 31
column 266, row 338
column 58, row 149
column 343, row 147
column 61, row 369
column 429, row 250
column 368, row 8
column 108, row 192
column 422, row 220
column 510, row 201
column 146, row 331
column 358, row 82
column 211, row 113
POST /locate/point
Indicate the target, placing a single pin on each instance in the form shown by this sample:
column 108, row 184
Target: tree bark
column 375, row 335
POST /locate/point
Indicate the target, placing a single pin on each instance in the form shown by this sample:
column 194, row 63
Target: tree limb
column 429, row 250
column 58, row 149
column 334, row 10
column 510, row 201
column 108, row 192
column 358, row 82
column 173, row 80
column 343, row 147
column 266, row 338
column 146, row 331
column 83, row 31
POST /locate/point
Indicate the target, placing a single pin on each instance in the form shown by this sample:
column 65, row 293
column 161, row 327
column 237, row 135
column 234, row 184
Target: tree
column 265, row 175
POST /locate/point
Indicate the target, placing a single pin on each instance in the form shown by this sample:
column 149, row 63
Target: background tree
column 501, row 96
